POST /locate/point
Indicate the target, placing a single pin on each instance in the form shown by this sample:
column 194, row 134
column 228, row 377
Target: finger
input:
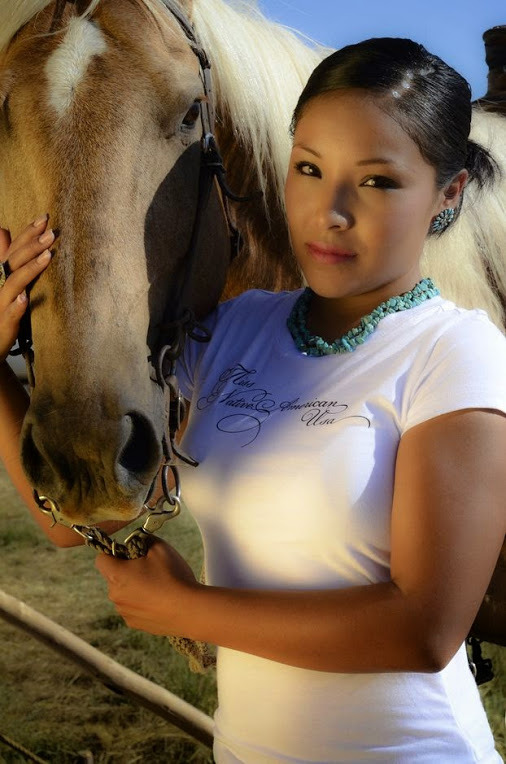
column 9, row 324
column 5, row 242
column 32, row 230
column 23, row 250
column 20, row 279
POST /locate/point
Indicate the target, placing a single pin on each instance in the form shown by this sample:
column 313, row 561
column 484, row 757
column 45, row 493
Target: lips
column 326, row 253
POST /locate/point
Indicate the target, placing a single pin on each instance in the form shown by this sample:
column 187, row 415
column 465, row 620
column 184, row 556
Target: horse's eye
column 192, row 115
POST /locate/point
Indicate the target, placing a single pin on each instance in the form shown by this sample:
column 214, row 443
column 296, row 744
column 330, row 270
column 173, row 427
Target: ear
column 453, row 190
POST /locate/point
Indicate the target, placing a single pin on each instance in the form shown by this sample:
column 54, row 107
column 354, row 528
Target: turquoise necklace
column 310, row 344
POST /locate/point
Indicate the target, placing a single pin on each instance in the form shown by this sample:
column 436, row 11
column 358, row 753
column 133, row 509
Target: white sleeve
column 466, row 369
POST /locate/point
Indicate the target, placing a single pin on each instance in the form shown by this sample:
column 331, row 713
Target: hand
column 152, row 593
column 25, row 258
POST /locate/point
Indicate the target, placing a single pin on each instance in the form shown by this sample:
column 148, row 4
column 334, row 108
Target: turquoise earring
column 442, row 221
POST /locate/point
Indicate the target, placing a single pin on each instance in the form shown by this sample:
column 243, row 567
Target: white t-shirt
column 294, row 490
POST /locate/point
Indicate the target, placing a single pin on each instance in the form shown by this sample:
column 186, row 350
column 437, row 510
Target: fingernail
column 46, row 237
column 22, row 298
column 41, row 220
column 44, row 257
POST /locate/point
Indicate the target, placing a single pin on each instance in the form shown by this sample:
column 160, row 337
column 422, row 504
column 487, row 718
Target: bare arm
column 448, row 523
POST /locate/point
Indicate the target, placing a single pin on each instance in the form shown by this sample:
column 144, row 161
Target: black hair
column 429, row 99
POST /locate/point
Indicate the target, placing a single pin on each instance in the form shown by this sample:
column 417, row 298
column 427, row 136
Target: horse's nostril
column 33, row 461
column 141, row 453
column 41, row 470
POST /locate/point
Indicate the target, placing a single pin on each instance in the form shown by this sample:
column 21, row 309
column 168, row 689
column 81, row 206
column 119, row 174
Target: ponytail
column 481, row 166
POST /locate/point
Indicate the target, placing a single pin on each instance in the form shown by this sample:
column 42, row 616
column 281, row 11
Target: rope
column 198, row 654
column 136, row 546
column 18, row 747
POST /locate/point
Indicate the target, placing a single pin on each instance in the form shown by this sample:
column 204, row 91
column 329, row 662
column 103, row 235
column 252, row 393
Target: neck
column 331, row 317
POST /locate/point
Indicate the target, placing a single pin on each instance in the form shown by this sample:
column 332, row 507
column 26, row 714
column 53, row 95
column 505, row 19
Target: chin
column 330, row 290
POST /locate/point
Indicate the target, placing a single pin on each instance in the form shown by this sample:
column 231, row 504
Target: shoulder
column 439, row 327
column 458, row 363
column 468, row 333
column 250, row 315
column 255, row 303
column 251, row 320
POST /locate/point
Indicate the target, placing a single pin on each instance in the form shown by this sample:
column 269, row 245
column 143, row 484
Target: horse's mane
column 14, row 15
column 260, row 69
column 469, row 263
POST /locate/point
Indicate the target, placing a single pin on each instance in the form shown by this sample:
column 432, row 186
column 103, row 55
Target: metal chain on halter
column 137, row 544
column 198, row 654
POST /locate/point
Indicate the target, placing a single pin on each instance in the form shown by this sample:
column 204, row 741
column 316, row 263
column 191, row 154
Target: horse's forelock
column 14, row 15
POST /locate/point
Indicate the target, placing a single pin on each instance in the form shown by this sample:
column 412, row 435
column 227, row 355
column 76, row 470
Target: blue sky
column 451, row 30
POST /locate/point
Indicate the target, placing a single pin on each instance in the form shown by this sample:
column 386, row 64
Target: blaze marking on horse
column 67, row 65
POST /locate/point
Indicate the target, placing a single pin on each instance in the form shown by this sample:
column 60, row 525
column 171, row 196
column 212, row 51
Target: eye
column 380, row 181
column 307, row 168
column 191, row 116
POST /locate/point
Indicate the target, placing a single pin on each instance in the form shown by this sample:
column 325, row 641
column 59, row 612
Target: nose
column 87, row 467
column 338, row 219
column 335, row 207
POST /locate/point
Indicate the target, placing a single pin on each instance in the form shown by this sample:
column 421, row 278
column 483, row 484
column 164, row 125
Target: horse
column 99, row 126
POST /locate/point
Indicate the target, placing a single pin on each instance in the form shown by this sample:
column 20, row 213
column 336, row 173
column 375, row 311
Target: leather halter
column 178, row 320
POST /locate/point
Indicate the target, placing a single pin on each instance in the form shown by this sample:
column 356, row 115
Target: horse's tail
column 468, row 263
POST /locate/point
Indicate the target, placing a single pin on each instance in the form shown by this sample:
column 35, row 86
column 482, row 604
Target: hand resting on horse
column 24, row 259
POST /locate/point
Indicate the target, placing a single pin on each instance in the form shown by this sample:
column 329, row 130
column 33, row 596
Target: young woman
column 350, row 440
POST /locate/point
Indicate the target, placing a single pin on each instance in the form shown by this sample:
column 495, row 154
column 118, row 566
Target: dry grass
column 46, row 703
column 55, row 710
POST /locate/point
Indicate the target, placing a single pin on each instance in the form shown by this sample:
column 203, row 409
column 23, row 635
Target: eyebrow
column 373, row 160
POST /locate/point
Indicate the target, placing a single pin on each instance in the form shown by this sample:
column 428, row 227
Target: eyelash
column 380, row 181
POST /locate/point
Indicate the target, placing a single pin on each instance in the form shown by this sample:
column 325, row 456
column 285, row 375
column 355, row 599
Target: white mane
column 453, row 260
column 260, row 69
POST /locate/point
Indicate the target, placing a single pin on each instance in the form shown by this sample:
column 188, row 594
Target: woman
column 342, row 483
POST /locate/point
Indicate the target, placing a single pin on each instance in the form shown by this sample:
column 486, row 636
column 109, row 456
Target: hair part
column 429, row 99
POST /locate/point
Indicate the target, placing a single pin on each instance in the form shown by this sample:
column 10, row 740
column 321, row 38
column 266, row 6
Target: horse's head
column 100, row 127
